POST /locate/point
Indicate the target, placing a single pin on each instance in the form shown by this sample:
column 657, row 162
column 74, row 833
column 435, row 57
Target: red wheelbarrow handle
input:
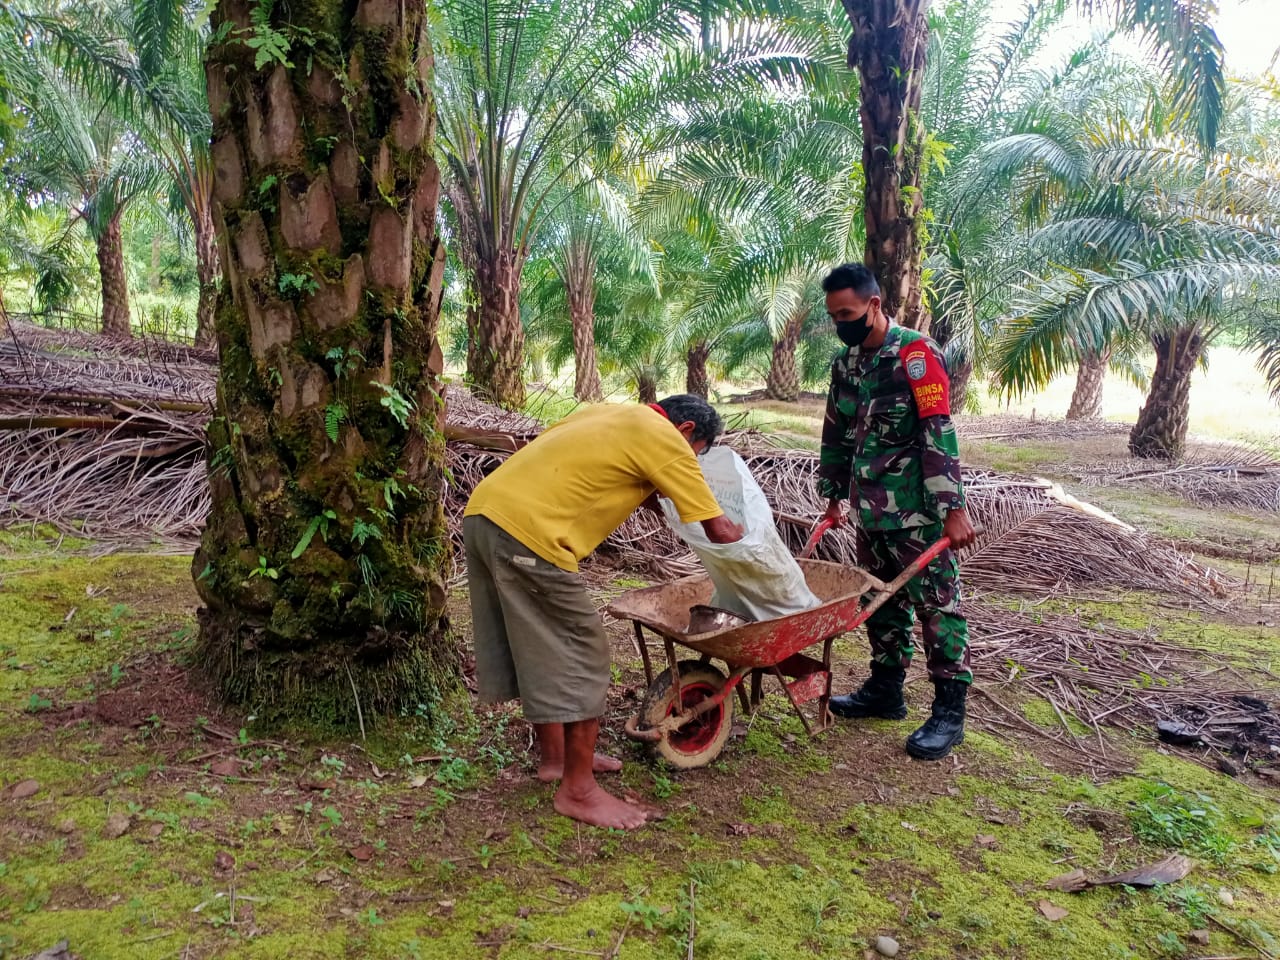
column 811, row 544
column 902, row 579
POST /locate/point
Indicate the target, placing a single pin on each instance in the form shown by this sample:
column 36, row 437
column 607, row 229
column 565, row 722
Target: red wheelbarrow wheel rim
column 700, row 732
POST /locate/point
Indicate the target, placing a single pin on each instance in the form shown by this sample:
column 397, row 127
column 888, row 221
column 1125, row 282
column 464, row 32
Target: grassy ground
column 141, row 819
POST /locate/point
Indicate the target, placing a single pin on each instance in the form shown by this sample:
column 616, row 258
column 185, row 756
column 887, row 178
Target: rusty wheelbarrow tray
column 687, row 713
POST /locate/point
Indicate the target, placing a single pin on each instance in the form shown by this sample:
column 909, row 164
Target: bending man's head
column 695, row 418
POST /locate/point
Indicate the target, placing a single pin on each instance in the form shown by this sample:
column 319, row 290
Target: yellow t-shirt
column 583, row 477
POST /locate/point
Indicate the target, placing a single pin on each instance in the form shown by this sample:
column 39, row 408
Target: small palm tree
column 540, row 99
column 143, row 60
column 77, row 152
column 889, row 48
column 1163, row 245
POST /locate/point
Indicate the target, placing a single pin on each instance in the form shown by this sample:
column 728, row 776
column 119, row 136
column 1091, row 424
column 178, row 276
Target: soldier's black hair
column 685, row 408
column 852, row 276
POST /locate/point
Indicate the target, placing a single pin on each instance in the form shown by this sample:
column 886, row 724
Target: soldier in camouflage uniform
column 889, row 444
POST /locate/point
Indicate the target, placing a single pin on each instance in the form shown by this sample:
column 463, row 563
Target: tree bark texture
column 207, row 273
column 696, row 379
column 1161, row 430
column 887, row 48
column 115, row 288
column 1086, row 400
column 495, row 355
column 322, row 565
column 579, row 277
column 783, row 379
column 646, row 387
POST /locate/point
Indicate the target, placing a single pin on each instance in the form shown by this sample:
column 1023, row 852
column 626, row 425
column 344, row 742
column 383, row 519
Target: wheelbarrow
column 687, row 713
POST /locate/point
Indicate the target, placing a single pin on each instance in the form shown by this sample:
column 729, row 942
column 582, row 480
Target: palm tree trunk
column 1086, row 401
column 580, row 288
column 646, row 387
column 696, row 379
column 322, row 567
column 1161, row 430
column 115, row 288
column 888, row 49
column 207, row 273
column 783, row 380
column 495, row 361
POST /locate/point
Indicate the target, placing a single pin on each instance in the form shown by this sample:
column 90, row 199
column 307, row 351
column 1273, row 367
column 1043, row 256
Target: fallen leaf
column 67, row 826
column 739, row 830
column 910, row 826
column 24, row 789
column 984, row 839
column 997, row 819
column 1169, row 870
column 377, row 774
column 1199, row 937
column 418, row 781
column 953, row 791
column 155, row 830
column 1051, row 912
column 1072, row 882
column 225, row 768
column 307, row 784
column 223, row 861
column 363, row 853
column 117, row 825
column 325, row 876
column 524, row 913
column 446, row 906
column 493, row 833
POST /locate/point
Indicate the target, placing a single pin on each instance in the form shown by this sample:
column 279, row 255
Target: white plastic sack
column 756, row 577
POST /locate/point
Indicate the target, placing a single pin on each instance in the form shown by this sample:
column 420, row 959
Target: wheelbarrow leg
column 744, row 700
column 794, row 705
column 824, row 701
column 757, row 688
column 675, row 668
column 644, row 653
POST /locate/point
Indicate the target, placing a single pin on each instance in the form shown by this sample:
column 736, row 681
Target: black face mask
column 853, row 332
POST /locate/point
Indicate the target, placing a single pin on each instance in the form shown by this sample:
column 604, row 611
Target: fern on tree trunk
column 887, row 48
column 322, row 566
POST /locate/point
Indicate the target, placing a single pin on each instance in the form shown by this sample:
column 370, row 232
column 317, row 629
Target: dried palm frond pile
column 110, row 445
column 1121, row 679
column 1227, row 475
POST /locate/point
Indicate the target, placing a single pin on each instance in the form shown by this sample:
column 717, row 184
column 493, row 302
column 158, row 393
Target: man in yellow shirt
column 527, row 526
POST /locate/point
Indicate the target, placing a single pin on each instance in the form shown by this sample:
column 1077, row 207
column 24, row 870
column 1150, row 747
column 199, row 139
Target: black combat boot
column 945, row 728
column 880, row 696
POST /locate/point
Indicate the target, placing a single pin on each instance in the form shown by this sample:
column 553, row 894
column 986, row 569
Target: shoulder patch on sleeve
column 929, row 381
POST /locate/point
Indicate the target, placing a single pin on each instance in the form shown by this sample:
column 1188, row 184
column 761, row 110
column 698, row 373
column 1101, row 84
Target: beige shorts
column 537, row 634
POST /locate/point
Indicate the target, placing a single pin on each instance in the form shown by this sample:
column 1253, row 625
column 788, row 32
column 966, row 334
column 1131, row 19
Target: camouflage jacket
column 888, row 441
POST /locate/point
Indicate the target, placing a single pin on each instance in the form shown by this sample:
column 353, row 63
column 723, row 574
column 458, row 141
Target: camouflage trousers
column 935, row 593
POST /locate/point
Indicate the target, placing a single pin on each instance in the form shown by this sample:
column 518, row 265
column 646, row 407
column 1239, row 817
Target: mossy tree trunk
column 1086, row 399
column 115, row 287
column 696, row 379
column 322, row 564
column 1161, row 430
column 888, row 46
column 783, row 379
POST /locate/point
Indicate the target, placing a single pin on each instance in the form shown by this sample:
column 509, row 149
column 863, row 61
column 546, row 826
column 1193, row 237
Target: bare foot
column 600, row 809
column 551, row 772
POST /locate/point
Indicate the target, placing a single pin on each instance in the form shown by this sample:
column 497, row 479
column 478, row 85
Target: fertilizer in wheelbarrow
column 756, row 577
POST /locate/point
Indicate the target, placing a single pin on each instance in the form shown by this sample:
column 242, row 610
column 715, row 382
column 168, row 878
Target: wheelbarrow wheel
column 700, row 740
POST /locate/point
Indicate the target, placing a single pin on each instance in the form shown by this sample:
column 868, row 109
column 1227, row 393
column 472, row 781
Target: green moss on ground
column 438, row 845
